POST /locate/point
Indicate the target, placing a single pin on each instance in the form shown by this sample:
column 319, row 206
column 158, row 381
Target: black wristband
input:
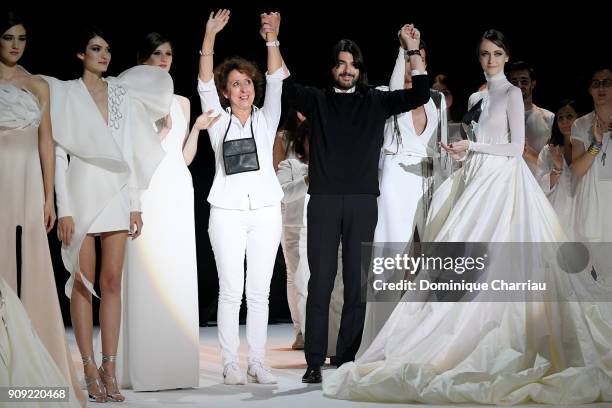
column 412, row 52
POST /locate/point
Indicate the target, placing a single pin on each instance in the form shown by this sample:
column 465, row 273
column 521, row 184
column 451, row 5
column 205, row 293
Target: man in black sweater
column 346, row 134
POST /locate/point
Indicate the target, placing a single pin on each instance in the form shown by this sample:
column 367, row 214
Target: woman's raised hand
column 216, row 21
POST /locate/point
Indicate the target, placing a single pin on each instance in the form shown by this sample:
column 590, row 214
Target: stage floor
column 288, row 366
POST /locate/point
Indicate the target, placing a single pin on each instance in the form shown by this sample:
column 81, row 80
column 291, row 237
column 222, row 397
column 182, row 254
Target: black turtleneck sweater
column 346, row 132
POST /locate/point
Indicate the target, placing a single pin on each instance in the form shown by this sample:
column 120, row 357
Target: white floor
column 288, row 365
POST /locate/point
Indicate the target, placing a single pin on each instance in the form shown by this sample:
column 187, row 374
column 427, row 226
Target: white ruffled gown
column 24, row 361
column 491, row 352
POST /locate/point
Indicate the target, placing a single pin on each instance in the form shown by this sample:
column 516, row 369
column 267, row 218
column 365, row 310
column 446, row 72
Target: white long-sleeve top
column 253, row 189
column 500, row 130
column 291, row 174
column 544, row 168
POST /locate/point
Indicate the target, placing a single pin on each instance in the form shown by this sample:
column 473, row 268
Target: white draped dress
column 161, row 325
column 109, row 164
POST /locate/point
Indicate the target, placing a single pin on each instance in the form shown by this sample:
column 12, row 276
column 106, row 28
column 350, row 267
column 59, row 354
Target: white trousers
column 234, row 233
column 297, row 287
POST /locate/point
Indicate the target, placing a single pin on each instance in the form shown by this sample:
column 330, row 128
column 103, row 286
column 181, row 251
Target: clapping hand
column 206, row 120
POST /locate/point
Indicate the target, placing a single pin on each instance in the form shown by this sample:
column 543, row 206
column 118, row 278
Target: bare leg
column 82, row 320
column 113, row 251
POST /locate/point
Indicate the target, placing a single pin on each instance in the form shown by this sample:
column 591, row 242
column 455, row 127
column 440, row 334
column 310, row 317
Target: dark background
column 563, row 44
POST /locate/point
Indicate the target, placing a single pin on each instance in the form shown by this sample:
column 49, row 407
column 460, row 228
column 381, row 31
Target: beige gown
column 22, row 192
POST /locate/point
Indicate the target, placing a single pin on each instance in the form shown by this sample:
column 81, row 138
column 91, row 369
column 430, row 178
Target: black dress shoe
column 312, row 375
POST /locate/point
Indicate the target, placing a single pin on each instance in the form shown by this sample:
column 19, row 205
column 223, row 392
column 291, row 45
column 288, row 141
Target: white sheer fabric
column 561, row 194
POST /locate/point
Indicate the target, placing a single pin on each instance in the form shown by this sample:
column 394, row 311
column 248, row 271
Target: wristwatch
column 274, row 43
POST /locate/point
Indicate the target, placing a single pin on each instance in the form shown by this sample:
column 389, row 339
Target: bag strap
column 230, row 124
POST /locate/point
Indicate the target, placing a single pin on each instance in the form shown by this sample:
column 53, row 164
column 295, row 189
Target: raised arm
column 399, row 71
column 411, row 36
column 270, row 25
column 216, row 22
column 404, row 100
column 402, row 62
column 209, row 98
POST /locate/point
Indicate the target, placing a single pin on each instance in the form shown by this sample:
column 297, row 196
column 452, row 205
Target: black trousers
column 331, row 218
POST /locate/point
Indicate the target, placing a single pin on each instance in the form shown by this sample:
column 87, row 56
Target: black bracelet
column 412, row 52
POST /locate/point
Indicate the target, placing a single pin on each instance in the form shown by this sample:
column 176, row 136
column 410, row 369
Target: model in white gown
column 410, row 170
column 161, row 282
column 483, row 352
column 24, row 361
column 557, row 180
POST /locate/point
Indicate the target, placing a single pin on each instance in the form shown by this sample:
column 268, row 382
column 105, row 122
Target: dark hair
column 455, row 111
column 148, row 45
column 296, row 134
column 589, row 74
column 85, row 35
column 556, row 137
column 243, row 66
column 599, row 68
column 352, row 48
column 523, row 66
column 497, row 38
column 9, row 19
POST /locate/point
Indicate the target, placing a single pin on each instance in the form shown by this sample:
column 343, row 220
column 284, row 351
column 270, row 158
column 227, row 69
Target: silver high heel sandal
column 110, row 381
column 95, row 388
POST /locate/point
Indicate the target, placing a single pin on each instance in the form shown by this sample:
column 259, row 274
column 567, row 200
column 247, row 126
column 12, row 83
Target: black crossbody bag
column 240, row 155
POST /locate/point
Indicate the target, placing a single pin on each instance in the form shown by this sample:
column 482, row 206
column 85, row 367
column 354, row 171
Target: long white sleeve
column 61, row 187
column 128, row 153
column 272, row 102
column 291, row 174
column 209, row 98
column 543, row 169
column 399, row 72
column 135, row 192
column 514, row 122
